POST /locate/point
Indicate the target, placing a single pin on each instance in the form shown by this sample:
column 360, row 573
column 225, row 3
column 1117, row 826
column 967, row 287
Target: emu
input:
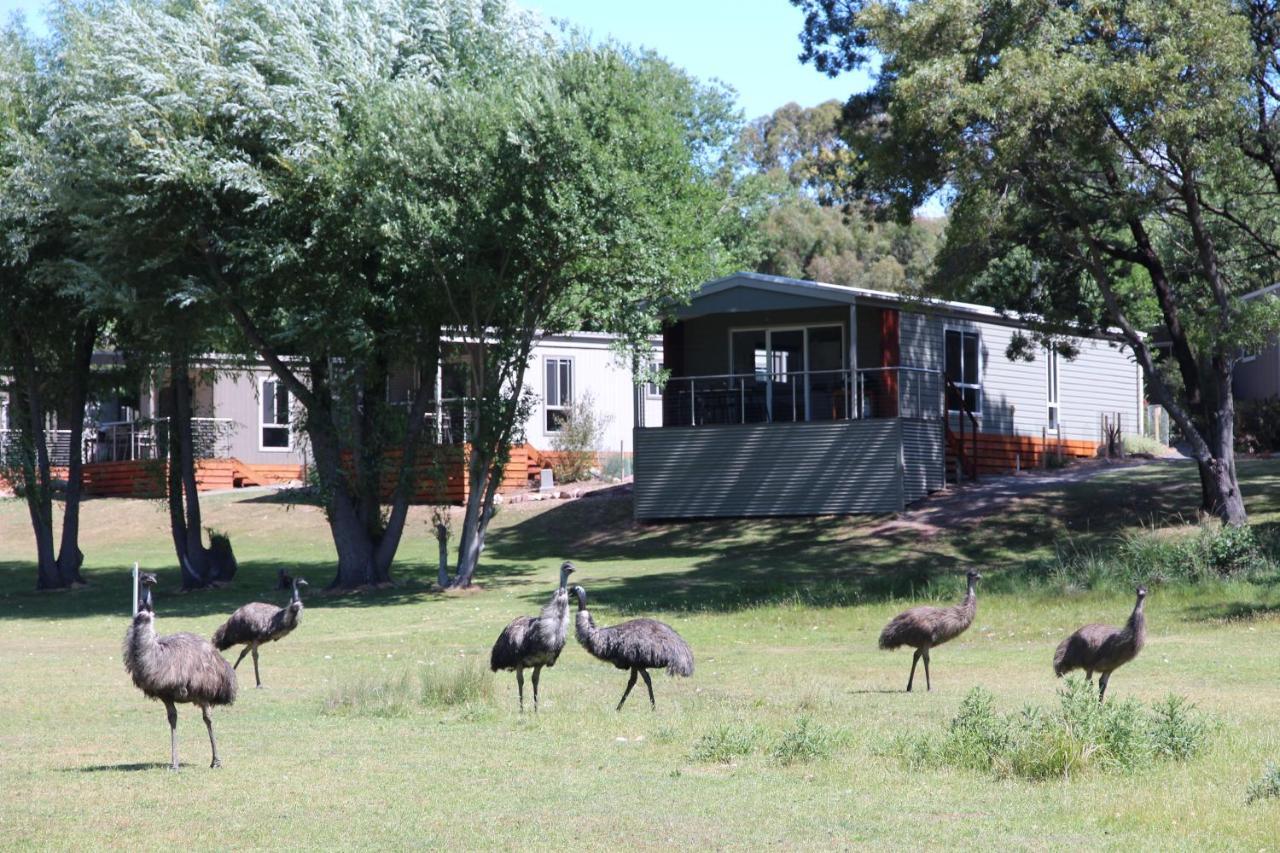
column 258, row 623
column 922, row 628
column 535, row 641
column 176, row 668
column 1102, row 648
column 638, row 645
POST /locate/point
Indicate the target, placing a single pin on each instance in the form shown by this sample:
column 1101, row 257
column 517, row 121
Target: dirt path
column 969, row 502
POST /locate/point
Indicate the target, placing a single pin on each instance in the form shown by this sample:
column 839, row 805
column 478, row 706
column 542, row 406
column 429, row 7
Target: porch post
column 439, row 398
column 855, row 410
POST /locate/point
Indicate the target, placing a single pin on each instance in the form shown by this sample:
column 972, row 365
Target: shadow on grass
column 120, row 768
column 1234, row 611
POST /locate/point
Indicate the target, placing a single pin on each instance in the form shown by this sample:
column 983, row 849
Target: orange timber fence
column 998, row 454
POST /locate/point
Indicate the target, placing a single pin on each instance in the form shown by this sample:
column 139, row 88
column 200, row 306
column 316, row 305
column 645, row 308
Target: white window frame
column 769, row 373
column 262, row 421
column 561, row 407
column 1053, row 390
column 652, row 390
column 981, row 394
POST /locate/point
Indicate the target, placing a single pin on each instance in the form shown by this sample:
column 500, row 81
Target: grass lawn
column 782, row 616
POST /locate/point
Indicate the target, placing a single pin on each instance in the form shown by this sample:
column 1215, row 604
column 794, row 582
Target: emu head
column 566, row 568
column 1142, row 592
column 297, row 582
column 973, row 576
column 581, row 595
column 146, row 580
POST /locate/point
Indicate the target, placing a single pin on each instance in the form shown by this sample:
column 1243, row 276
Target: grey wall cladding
column 779, row 469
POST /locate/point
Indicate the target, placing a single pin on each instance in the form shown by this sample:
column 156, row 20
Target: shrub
column 726, row 742
column 446, row 686
column 1079, row 735
column 1142, row 444
column 398, row 694
column 578, row 441
column 1258, row 426
column 804, row 742
column 1267, row 786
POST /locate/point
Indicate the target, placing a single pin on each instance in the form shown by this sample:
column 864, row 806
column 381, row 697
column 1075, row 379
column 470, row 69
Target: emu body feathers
column 638, row 645
column 1102, row 648
column 534, row 641
column 922, row 628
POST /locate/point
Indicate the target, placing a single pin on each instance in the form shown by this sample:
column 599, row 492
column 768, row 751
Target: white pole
column 135, row 589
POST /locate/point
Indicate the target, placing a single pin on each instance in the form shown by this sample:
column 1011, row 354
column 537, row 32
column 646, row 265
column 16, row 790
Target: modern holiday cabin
column 790, row 397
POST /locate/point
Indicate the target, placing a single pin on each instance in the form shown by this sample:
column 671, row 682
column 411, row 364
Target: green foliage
column 1198, row 554
column 1258, row 426
column 577, row 444
column 726, row 742
column 1078, row 736
column 1266, row 786
column 805, row 742
column 1142, row 444
column 395, row 695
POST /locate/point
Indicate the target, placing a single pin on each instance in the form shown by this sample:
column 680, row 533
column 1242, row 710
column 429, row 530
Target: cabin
column 247, row 431
column 1257, row 374
column 787, row 397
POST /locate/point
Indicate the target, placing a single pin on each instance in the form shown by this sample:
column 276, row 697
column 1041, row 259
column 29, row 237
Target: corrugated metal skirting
column 817, row 468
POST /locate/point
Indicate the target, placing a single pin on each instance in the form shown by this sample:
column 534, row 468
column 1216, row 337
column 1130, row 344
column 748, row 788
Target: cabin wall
column 1259, row 379
column 237, row 396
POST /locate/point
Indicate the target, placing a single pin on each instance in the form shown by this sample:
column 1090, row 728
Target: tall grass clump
column 1265, row 787
column 805, row 741
column 1200, row 554
column 1080, row 735
column 394, row 695
column 725, row 742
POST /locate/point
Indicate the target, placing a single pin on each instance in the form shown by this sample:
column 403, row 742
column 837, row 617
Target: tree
column 1111, row 164
column 580, row 188
column 47, row 328
column 814, row 228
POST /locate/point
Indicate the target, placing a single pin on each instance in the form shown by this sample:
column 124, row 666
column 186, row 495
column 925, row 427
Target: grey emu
column 638, row 645
column 1102, row 648
column 176, row 668
column 535, row 641
column 922, row 628
column 258, row 623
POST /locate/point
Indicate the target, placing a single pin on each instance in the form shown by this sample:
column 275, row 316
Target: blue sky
column 750, row 45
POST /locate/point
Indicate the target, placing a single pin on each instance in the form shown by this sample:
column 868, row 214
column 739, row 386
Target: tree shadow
column 121, row 768
column 1234, row 611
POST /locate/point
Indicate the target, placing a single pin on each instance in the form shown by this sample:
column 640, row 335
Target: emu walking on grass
column 1102, row 648
column 638, row 645
column 535, row 641
column 176, row 668
column 922, row 628
column 258, row 623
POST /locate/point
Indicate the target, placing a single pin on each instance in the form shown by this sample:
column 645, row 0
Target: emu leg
column 537, row 670
column 648, row 682
column 1102, row 685
column 213, row 742
column 257, row 678
column 928, row 686
column 243, row 652
column 172, row 711
column 520, row 686
column 915, row 659
column 627, row 692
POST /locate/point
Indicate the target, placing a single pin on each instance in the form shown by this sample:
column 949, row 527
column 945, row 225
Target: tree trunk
column 34, row 455
column 70, row 557
column 197, row 562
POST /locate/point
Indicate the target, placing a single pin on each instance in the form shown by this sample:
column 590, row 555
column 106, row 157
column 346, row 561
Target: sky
column 751, row 45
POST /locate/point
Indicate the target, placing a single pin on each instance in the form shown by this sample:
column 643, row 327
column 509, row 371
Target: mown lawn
column 782, row 617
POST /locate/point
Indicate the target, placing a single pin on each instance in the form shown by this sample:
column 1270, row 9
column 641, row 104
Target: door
column 788, row 402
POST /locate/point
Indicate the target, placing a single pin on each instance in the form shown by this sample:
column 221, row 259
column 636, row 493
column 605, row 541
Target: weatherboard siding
column 816, row 468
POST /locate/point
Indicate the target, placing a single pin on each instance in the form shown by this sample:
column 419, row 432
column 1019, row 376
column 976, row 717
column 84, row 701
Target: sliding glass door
column 789, row 374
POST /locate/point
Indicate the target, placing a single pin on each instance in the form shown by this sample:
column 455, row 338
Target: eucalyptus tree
column 48, row 327
column 1109, row 164
column 580, row 188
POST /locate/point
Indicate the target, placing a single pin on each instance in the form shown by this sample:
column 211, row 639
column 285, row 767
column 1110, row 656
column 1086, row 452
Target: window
column 963, row 368
column 558, row 393
column 275, row 415
column 653, row 390
column 1051, row 387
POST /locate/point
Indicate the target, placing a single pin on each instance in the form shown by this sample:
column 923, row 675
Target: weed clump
column 449, row 686
column 1079, row 735
column 1265, row 787
column 804, row 742
column 726, row 742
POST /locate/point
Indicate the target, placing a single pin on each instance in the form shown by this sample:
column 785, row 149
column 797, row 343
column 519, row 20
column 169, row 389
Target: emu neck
column 587, row 632
column 1137, row 624
column 139, row 642
column 555, row 616
column 293, row 613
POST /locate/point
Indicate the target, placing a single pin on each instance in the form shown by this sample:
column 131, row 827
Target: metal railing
column 127, row 441
column 58, row 442
column 804, row 395
column 446, row 423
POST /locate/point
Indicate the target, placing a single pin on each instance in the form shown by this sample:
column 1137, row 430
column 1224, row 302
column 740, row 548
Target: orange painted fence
column 999, row 454
column 441, row 476
column 146, row 478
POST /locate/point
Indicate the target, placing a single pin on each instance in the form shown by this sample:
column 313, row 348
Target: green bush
column 804, row 742
column 726, row 742
column 577, row 443
column 1267, row 786
column 1142, row 444
column 1258, row 426
column 1080, row 735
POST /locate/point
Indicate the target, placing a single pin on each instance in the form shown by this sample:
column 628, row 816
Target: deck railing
column 805, row 395
column 127, row 441
column 58, row 442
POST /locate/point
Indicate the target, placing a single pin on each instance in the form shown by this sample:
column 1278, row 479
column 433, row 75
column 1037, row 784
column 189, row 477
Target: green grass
column 381, row 727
